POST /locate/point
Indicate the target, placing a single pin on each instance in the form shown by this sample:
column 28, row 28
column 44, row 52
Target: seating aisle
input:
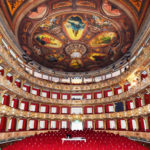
column 94, row 141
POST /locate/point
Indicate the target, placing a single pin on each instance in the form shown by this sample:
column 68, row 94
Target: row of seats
column 94, row 141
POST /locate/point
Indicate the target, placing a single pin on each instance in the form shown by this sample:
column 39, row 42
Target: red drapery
column 2, row 72
column 147, row 99
column 47, row 93
column 13, row 124
column 126, row 87
column 96, row 109
column 47, row 108
column 57, row 109
column 26, row 105
column 3, row 124
column 15, row 103
column 27, row 88
column 65, row 94
column 141, row 124
column 96, row 94
column 138, row 102
column 18, row 83
column 108, row 124
column 57, row 95
column 9, row 78
column 116, row 90
column 6, row 100
column 130, row 124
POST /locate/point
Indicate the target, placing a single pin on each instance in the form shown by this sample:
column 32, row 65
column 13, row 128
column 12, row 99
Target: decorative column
column 22, row 83
column 124, row 105
column 17, row 124
column 6, row 70
column 127, row 125
column 137, row 124
column 48, row 124
column 27, row 125
column 14, row 78
column 104, row 124
column 134, row 103
column 39, row 107
column 38, row 124
column 11, row 99
column 2, row 94
column 116, row 127
column 146, row 123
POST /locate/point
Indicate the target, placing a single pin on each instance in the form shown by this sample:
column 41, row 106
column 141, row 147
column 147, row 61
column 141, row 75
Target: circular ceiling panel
column 76, row 41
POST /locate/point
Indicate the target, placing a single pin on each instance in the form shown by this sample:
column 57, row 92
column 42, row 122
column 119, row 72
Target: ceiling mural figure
column 74, row 27
column 76, row 42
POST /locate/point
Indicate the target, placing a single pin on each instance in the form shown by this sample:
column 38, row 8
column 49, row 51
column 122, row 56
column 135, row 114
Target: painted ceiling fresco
column 74, row 35
column 76, row 42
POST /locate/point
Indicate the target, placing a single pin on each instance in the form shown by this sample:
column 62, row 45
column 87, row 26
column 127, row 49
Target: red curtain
column 147, row 99
column 57, row 124
column 108, row 124
column 106, row 93
column 9, row 78
column 85, row 124
column 27, row 88
column 13, row 124
column 3, row 124
column 37, row 91
column 24, row 126
column 35, row 124
column 2, row 72
column 96, row 125
column 128, row 105
column 68, row 96
column 116, row 90
column 58, row 95
column 130, row 124
column 26, row 107
column 16, row 103
column 85, row 95
column 47, row 108
column 46, row 124
column 47, row 93
column 85, row 110
column 138, row 102
column 57, row 109
column 96, row 93
column 96, row 109
column 107, row 108
column 126, row 87
column 6, row 100
column 143, row 75
column 141, row 124
column 119, row 124
column 18, row 83
column 69, row 109
column 36, row 107
column 148, row 124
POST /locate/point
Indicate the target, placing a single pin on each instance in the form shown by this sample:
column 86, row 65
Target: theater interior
column 74, row 74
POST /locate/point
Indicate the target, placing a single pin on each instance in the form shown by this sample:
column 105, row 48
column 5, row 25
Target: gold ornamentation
column 13, row 5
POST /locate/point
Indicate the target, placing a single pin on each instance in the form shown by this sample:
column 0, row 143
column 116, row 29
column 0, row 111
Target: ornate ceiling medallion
column 75, row 50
